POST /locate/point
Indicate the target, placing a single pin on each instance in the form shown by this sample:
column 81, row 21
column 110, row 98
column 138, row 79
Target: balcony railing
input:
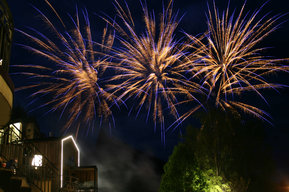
column 7, row 78
column 44, row 178
column 41, row 173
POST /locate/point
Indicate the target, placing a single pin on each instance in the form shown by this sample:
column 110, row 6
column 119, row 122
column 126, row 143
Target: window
column 37, row 161
column 1, row 136
column 15, row 132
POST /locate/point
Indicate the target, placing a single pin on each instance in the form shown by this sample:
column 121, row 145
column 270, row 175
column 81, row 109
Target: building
column 6, row 85
column 46, row 164
column 28, row 161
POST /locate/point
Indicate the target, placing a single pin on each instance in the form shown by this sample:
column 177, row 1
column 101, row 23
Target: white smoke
column 121, row 168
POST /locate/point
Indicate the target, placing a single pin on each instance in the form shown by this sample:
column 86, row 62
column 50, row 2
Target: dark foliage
column 225, row 150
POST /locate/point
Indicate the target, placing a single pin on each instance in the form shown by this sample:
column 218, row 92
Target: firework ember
column 228, row 62
column 73, row 77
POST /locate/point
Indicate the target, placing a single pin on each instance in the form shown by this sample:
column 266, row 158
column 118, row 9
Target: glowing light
column 61, row 161
column 37, row 161
column 16, row 129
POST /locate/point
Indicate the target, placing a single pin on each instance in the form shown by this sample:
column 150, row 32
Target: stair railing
column 43, row 175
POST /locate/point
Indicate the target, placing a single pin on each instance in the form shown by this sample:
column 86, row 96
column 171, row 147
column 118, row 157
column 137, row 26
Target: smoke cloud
column 122, row 168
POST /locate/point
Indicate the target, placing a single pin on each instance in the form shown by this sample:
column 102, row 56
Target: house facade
column 47, row 164
column 6, row 85
column 30, row 162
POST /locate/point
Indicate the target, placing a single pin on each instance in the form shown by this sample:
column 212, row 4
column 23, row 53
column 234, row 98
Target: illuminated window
column 37, row 161
column 15, row 132
column 1, row 136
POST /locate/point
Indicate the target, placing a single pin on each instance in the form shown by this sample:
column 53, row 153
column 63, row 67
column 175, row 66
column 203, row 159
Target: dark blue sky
column 135, row 131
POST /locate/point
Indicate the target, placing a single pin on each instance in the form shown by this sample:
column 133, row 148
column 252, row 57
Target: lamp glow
column 37, row 161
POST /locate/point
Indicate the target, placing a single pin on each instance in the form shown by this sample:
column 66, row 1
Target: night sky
column 130, row 136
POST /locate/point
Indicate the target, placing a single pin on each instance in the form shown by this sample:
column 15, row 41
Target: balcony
column 42, row 164
column 6, row 97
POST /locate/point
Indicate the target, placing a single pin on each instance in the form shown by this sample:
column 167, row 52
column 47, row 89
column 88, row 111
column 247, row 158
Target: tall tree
column 184, row 172
column 236, row 149
column 224, row 154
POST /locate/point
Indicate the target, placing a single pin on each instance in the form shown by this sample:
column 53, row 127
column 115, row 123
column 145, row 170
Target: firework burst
column 73, row 77
column 228, row 62
column 151, row 64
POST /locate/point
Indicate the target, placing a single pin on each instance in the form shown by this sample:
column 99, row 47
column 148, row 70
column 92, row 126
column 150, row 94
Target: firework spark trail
column 228, row 62
column 151, row 64
column 75, row 82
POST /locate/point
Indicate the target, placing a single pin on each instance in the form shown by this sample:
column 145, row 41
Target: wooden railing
column 81, row 179
column 44, row 178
